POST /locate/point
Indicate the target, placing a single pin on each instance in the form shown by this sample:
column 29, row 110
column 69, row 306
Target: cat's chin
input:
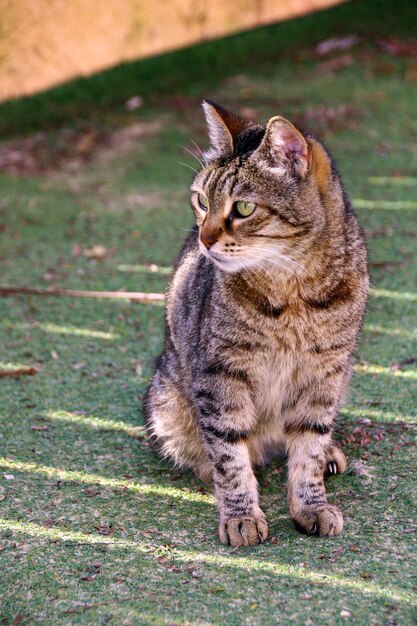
column 228, row 266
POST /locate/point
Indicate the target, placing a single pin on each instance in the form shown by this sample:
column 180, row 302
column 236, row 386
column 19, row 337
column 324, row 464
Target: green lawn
column 93, row 528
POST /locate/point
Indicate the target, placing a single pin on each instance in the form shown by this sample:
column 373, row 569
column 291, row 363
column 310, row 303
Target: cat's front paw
column 247, row 530
column 325, row 521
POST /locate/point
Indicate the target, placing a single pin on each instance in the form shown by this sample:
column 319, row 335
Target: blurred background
column 47, row 42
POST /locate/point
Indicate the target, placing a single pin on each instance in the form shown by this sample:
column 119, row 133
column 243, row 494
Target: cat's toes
column 326, row 521
column 247, row 530
column 336, row 461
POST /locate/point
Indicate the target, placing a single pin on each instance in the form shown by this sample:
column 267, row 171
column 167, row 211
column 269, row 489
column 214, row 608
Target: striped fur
column 263, row 315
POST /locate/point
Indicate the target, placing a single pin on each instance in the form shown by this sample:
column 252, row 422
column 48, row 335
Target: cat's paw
column 247, row 530
column 325, row 521
column 335, row 461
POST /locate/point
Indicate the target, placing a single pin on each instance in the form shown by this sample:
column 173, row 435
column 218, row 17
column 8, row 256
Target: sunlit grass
column 68, row 330
column 10, row 366
column 362, row 203
column 377, row 415
column 98, row 423
column 248, row 563
column 145, row 269
column 83, row 477
column 393, row 295
column 397, row 181
column 363, row 368
column 392, row 332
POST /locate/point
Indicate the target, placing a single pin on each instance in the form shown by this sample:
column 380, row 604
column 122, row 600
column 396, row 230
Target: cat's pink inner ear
column 286, row 145
column 223, row 126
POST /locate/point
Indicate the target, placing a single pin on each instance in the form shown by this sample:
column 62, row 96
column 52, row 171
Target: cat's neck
column 317, row 269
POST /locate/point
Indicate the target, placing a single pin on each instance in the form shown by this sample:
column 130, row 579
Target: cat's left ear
column 224, row 127
column 284, row 147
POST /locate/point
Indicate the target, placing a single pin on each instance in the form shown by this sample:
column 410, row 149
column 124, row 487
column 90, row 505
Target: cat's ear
column 284, row 147
column 224, row 127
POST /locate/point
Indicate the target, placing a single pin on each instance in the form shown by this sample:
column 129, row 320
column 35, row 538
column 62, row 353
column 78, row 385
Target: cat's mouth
column 224, row 263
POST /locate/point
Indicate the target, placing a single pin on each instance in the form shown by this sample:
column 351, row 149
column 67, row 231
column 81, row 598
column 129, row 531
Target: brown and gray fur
column 263, row 314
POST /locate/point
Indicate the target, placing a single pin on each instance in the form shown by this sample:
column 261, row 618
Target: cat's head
column 258, row 199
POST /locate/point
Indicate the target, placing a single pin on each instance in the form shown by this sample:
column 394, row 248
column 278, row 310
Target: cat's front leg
column 226, row 427
column 242, row 523
column 308, row 432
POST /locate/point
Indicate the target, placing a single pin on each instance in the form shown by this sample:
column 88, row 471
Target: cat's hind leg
column 335, row 461
column 309, row 425
column 172, row 426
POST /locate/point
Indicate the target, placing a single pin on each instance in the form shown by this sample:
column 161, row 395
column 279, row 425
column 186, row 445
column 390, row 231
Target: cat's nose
column 209, row 237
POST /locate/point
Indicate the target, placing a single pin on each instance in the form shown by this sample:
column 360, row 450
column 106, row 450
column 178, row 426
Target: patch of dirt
column 69, row 147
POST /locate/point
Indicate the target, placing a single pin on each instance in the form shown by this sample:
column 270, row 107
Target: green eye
column 244, row 209
column 203, row 202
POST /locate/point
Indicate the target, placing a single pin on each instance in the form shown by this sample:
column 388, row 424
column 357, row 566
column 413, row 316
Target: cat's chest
column 278, row 374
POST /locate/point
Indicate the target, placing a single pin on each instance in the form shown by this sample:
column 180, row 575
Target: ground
column 93, row 528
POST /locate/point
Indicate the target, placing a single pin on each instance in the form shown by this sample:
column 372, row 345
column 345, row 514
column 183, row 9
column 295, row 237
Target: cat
column 264, row 310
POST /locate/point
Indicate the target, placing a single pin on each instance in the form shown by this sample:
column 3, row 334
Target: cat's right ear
column 224, row 127
column 284, row 148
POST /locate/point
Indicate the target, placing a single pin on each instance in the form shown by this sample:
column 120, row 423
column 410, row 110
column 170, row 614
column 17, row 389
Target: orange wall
column 46, row 42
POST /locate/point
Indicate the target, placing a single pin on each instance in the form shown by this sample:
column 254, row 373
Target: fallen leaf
column 40, row 428
column 398, row 47
column 8, row 476
column 138, row 369
column 104, row 530
column 86, row 142
column 345, row 613
column 48, row 276
column 78, row 366
column 338, row 63
column 98, row 252
column 54, row 355
column 145, row 534
column 336, row 553
column 359, row 468
column 135, row 102
column 336, row 44
column 76, row 251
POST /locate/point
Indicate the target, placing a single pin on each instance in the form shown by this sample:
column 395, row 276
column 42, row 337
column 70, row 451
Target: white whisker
column 189, row 166
column 198, row 148
column 270, row 255
column 192, row 154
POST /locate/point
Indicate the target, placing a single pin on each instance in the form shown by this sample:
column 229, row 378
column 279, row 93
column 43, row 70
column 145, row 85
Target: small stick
column 21, row 371
column 75, row 293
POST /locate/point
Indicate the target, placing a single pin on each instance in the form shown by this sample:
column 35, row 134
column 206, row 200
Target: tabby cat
column 263, row 314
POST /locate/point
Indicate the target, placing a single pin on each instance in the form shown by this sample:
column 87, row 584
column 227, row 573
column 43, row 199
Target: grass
column 93, row 528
